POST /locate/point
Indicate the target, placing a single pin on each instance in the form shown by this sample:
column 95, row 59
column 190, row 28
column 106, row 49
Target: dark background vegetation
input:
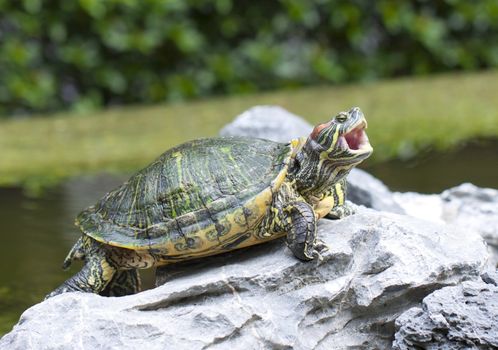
column 58, row 54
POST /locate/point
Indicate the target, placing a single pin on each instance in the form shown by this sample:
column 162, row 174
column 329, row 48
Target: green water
column 36, row 233
column 434, row 172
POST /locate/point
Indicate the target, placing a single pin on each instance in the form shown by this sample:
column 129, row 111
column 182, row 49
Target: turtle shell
column 202, row 195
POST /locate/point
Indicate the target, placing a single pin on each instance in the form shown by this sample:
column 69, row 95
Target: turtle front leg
column 124, row 282
column 334, row 205
column 340, row 212
column 301, row 230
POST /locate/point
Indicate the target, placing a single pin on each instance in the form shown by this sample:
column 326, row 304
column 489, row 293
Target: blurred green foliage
column 56, row 54
column 405, row 117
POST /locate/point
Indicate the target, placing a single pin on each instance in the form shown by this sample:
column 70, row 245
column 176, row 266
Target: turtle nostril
column 355, row 112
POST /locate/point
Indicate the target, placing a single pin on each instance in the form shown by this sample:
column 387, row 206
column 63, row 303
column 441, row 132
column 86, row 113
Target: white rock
column 467, row 206
column 474, row 208
column 422, row 206
column 378, row 265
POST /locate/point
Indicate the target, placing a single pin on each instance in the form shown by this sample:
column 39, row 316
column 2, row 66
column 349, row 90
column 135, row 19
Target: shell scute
column 193, row 197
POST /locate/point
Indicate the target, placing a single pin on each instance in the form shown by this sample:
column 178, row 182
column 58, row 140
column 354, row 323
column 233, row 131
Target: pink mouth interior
column 355, row 138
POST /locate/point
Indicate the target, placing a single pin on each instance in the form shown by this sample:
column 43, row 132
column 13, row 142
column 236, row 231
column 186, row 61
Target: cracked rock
column 378, row 266
column 459, row 317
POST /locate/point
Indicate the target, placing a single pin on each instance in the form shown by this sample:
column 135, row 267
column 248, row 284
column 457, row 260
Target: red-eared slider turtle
column 215, row 195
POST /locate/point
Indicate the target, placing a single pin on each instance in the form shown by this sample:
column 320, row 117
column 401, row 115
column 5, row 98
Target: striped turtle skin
column 211, row 196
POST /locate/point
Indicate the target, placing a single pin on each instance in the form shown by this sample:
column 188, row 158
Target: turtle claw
column 60, row 290
column 341, row 211
column 317, row 256
column 319, row 248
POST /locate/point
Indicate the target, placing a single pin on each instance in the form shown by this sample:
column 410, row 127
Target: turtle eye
column 341, row 117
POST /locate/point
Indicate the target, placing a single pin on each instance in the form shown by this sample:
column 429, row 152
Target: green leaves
column 67, row 54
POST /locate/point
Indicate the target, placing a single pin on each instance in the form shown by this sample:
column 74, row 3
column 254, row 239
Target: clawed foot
column 341, row 212
column 318, row 248
column 58, row 291
column 65, row 288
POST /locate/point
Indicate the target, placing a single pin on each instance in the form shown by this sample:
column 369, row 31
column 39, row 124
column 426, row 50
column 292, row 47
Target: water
column 476, row 162
column 36, row 233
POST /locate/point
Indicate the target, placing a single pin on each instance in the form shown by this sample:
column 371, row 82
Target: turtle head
column 331, row 151
column 342, row 139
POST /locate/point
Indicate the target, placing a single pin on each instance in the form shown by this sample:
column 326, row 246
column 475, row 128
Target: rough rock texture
column 268, row 122
column 379, row 265
column 473, row 207
column 277, row 124
column 467, row 206
column 460, row 317
column 364, row 189
column 490, row 277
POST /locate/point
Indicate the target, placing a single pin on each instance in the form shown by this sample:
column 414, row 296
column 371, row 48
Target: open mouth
column 356, row 139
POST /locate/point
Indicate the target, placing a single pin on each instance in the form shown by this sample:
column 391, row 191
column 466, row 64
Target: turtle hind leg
column 92, row 278
column 76, row 252
column 124, row 282
column 97, row 272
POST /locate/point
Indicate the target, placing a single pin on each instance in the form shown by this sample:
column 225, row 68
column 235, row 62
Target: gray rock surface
column 473, row 207
column 268, row 122
column 459, row 317
column 378, row 265
column 490, row 277
column 277, row 124
column 364, row 189
column 467, row 206
column 423, row 206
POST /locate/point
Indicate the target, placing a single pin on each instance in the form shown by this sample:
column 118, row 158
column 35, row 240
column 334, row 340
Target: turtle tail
column 76, row 252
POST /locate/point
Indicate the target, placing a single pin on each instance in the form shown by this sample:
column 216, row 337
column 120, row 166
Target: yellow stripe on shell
column 257, row 207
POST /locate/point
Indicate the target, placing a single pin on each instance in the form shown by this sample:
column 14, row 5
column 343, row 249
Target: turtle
column 215, row 195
